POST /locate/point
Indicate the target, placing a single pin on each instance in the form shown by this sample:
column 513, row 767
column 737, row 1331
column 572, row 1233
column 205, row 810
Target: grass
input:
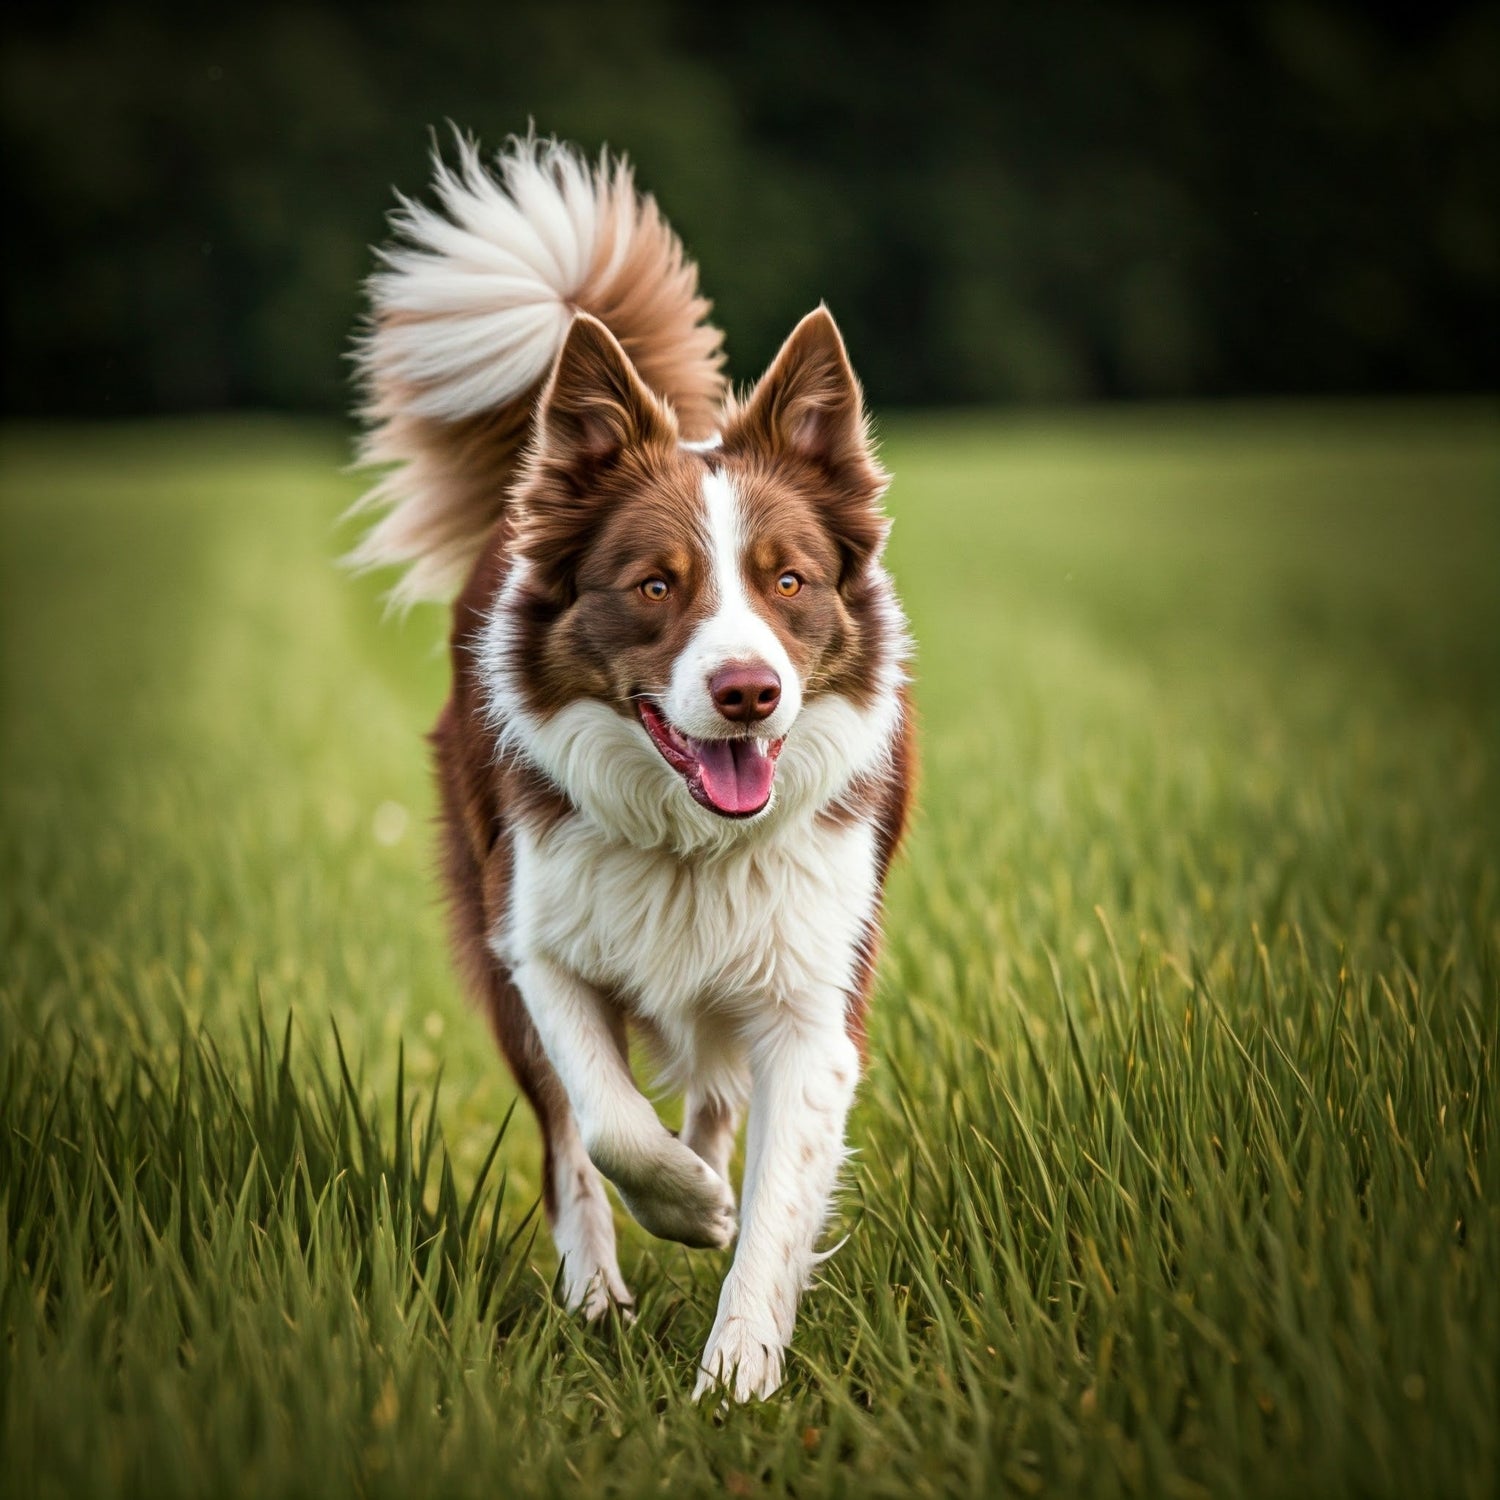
column 1177, row 1167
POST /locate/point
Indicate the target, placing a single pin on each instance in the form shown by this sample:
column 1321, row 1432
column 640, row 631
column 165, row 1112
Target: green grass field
column 1177, row 1169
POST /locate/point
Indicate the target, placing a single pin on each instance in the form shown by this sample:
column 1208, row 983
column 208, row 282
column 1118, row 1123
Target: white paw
column 594, row 1295
column 744, row 1362
column 675, row 1195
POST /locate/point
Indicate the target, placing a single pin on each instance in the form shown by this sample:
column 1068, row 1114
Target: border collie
column 676, row 758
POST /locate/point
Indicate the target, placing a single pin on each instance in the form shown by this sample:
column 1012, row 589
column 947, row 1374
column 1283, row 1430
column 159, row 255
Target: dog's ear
column 595, row 412
column 595, row 405
column 808, row 409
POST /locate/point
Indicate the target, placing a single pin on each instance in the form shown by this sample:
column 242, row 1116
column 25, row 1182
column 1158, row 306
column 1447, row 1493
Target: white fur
column 667, row 1186
column 741, row 962
column 711, row 1120
column 584, row 1228
column 804, row 1074
column 484, row 287
column 702, row 949
column 735, row 632
column 470, row 308
column 733, row 943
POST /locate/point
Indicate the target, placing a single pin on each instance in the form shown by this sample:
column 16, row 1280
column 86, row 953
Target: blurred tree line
column 1049, row 201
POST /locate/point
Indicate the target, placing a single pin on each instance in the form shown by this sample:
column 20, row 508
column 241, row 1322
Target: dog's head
column 697, row 634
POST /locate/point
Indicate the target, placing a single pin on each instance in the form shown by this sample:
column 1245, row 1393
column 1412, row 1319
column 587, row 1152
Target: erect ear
column 808, row 404
column 594, row 410
column 596, row 405
column 808, row 407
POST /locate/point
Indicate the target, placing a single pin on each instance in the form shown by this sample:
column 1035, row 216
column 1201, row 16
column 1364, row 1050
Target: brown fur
column 478, row 799
column 889, row 799
column 805, row 420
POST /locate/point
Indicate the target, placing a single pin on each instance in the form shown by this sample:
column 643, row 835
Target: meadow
column 1176, row 1169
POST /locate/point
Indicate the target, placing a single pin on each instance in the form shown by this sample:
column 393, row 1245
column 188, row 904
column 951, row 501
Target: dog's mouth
column 730, row 777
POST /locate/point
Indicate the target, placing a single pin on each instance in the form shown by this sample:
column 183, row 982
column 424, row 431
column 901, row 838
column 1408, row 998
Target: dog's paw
column 594, row 1295
column 675, row 1195
column 743, row 1362
column 584, row 1232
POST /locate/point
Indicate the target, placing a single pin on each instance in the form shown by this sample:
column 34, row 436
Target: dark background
column 1052, row 201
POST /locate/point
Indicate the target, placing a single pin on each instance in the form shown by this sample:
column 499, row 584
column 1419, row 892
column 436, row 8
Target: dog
column 677, row 756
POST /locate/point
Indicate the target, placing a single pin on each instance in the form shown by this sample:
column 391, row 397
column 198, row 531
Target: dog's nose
column 744, row 693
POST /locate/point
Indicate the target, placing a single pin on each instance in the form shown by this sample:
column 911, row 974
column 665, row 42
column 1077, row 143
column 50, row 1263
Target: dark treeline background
column 1052, row 201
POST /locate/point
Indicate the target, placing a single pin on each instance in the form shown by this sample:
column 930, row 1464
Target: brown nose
column 744, row 694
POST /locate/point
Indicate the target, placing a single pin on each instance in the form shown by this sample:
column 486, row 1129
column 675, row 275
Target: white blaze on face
column 733, row 634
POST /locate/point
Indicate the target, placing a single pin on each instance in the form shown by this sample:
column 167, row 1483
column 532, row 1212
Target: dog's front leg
column 803, row 1077
column 668, row 1188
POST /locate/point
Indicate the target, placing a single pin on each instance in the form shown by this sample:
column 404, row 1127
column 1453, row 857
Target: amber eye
column 788, row 584
column 655, row 589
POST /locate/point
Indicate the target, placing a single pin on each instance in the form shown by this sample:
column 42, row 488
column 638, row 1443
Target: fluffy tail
column 468, row 313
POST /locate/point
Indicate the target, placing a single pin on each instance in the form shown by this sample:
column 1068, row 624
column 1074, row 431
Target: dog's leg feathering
column 804, row 1077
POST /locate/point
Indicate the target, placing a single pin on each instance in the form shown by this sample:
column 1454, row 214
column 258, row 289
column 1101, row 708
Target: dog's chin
column 734, row 778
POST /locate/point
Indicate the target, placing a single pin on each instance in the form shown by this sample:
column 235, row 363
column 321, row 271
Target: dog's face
column 709, row 597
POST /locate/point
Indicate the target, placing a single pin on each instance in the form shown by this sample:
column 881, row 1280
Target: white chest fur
column 774, row 923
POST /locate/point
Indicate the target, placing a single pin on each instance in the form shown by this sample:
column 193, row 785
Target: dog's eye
column 656, row 589
column 788, row 584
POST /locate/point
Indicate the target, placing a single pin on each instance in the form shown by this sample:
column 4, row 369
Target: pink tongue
column 736, row 777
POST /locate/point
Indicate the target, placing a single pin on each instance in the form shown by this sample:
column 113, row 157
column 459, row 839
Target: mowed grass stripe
column 1175, row 1167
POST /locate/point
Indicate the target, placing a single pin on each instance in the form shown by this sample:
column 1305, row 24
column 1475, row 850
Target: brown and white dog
column 676, row 759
